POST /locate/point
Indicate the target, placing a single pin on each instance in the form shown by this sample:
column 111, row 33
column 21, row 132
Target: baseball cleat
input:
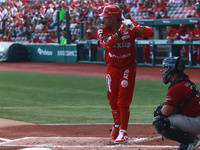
column 191, row 146
column 115, row 132
column 122, row 137
column 194, row 145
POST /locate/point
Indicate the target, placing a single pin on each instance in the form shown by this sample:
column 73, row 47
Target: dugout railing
column 159, row 50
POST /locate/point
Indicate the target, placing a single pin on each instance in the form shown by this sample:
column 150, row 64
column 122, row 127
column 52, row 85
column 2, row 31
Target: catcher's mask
column 170, row 66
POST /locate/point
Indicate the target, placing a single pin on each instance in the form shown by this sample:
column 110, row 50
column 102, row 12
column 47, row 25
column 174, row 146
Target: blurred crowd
column 36, row 20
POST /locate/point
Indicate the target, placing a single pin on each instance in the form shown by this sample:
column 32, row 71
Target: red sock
column 116, row 116
column 124, row 116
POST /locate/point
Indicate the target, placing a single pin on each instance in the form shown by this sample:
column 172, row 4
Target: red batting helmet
column 111, row 10
column 181, row 25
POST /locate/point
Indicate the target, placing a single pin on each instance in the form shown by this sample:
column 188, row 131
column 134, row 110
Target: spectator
column 141, row 7
column 32, row 28
column 149, row 15
column 49, row 10
column 63, row 39
column 183, row 34
column 20, row 32
column 73, row 28
column 153, row 16
column 175, row 2
column 13, row 32
column 197, row 11
column 56, row 9
column 39, row 26
column 48, row 39
column 134, row 8
column 36, row 39
column 53, row 36
column 145, row 6
column 26, row 33
column 11, row 22
column 63, row 24
column 187, row 3
column 171, row 35
column 62, row 12
column 192, row 4
column 4, row 17
column 13, row 11
column 73, row 24
column 165, row 15
column 10, row 38
column 161, row 5
column 158, row 16
column 195, row 35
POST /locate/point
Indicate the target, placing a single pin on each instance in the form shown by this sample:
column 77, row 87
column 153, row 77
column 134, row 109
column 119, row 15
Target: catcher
column 178, row 118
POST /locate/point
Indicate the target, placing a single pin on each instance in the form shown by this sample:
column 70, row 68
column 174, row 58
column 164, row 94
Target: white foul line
column 131, row 141
column 6, row 140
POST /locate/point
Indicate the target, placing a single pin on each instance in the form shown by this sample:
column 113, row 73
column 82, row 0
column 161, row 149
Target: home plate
column 35, row 149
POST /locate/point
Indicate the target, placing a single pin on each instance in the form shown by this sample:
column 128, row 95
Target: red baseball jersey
column 172, row 33
column 196, row 33
column 196, row 14
column 184, row 35
column 179, row 93
column 124, row 52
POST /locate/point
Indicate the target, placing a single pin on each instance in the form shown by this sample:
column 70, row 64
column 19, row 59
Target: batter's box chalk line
column 50, row 145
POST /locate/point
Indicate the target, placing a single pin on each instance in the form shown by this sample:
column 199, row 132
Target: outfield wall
column 70, row 53
column 53, row 52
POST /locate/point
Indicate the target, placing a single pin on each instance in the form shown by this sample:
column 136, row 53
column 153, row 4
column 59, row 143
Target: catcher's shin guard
column 162, row 126
column 178, row 135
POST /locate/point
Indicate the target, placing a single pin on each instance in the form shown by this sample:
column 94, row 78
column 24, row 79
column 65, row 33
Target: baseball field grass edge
column 64, row 99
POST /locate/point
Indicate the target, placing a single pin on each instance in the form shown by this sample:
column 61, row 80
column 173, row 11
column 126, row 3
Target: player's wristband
column 111, row 40
column 119, row 34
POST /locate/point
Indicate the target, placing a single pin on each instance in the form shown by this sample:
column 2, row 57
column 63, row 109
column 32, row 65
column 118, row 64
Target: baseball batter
column 179, row 118
column 117, row 37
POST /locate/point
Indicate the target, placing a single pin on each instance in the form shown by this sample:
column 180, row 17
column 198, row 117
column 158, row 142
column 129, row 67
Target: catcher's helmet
column 170, row 66
column 111, row 10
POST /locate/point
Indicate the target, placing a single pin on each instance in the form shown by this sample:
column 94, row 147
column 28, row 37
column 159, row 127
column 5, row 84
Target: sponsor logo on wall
column 44, row 52
column 66, row 53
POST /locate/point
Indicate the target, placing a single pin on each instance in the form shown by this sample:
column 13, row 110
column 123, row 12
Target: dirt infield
column 15, row 135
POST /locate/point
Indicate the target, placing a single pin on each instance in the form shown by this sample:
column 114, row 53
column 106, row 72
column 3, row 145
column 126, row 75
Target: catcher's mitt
column 157, row 112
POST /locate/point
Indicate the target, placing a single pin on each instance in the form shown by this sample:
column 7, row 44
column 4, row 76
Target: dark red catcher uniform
column 178, row 94
column 121, row 69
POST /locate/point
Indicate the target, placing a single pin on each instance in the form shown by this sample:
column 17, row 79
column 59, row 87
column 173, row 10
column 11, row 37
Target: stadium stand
column 29, row 10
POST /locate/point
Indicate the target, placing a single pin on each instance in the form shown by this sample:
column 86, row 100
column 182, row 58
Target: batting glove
column 123, row 28
column 126, row 24
column 129, row 24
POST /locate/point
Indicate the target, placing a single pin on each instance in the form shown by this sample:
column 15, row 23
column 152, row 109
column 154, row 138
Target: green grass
column 54, row 99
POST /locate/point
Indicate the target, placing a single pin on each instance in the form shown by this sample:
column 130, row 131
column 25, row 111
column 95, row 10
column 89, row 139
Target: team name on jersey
column 119, row 57
column 122, row 45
